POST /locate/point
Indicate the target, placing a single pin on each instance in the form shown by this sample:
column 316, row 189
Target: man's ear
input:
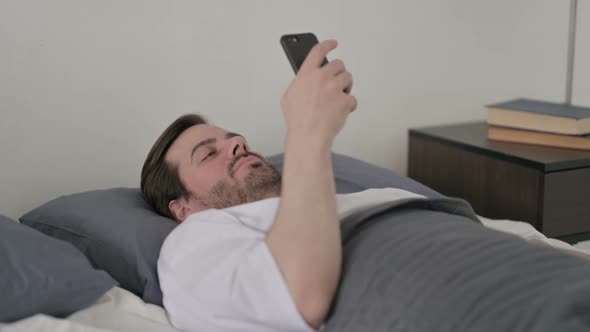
column 179, row 209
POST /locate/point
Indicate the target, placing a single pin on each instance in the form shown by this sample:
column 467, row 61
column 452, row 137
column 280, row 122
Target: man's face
column 219, row 170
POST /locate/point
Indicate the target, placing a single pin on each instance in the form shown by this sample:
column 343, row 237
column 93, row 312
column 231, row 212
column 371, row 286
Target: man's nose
column 237, row 146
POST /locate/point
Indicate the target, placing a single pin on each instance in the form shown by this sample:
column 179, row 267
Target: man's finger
column 348, row 89
column 352, row 103
column 344, row 81
column 334, row 68
column 317, row 54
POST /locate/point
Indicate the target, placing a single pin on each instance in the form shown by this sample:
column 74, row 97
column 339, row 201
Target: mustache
column 237, row 158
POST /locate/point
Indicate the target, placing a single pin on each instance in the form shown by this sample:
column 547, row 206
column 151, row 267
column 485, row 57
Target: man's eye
column 209, row 155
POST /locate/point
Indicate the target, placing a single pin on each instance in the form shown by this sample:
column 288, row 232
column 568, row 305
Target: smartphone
column 297, row 46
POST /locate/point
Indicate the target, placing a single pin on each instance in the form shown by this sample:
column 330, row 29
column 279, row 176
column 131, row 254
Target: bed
column 116, row 232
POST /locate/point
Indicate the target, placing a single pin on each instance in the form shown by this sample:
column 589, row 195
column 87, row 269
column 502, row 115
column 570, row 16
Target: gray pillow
column 115, row 228
column 353, row 175
column 39, row 274
column 120, row 233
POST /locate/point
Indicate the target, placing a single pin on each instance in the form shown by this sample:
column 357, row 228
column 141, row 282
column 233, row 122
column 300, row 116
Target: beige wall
column 86, row 86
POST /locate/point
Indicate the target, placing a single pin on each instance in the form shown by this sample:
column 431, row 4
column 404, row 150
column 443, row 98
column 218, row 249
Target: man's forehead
column 202, row 131
column 190, row 137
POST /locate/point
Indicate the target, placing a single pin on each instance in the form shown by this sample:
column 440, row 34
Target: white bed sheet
column 116, row 311
column 528, row 232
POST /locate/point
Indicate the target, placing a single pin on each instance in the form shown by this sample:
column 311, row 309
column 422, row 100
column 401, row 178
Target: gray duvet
column 429, row 265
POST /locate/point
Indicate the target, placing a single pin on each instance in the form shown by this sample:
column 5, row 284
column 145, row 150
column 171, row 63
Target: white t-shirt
column 217, row 273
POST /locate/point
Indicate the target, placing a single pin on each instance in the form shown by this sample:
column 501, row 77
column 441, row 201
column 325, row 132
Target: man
column 211, row 175
column 241, row 259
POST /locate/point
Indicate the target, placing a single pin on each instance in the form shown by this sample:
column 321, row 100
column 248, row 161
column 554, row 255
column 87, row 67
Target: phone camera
column 293, row 39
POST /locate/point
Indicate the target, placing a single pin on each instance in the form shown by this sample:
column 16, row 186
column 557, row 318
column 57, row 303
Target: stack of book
column 540, row 123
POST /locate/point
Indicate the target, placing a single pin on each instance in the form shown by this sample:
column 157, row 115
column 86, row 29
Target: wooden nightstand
column 546, row 187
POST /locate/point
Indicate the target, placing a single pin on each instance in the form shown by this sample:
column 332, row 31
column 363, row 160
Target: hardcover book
column 541, row 116
column 539, row 138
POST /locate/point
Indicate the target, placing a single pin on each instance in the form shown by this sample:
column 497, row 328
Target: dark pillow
column 120, row 233
column 115, row 228
column 39, row 274
column 353, row 175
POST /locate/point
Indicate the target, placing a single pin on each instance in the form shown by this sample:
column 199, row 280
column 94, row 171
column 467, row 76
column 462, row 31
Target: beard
column 263, row 181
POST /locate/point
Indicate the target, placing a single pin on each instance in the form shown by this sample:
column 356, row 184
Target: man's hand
column 318, row 100
column 305, row 237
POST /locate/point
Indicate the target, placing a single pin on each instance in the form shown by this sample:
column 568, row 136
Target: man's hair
column 160, row 181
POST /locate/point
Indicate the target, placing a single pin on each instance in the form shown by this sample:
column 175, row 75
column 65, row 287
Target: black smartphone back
column 297, row 46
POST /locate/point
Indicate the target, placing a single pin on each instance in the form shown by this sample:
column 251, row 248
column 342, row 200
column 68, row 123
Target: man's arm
column 305, row 238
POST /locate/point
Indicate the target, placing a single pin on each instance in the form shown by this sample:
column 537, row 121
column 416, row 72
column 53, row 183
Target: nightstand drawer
column 566, row 202
column 495, row 188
